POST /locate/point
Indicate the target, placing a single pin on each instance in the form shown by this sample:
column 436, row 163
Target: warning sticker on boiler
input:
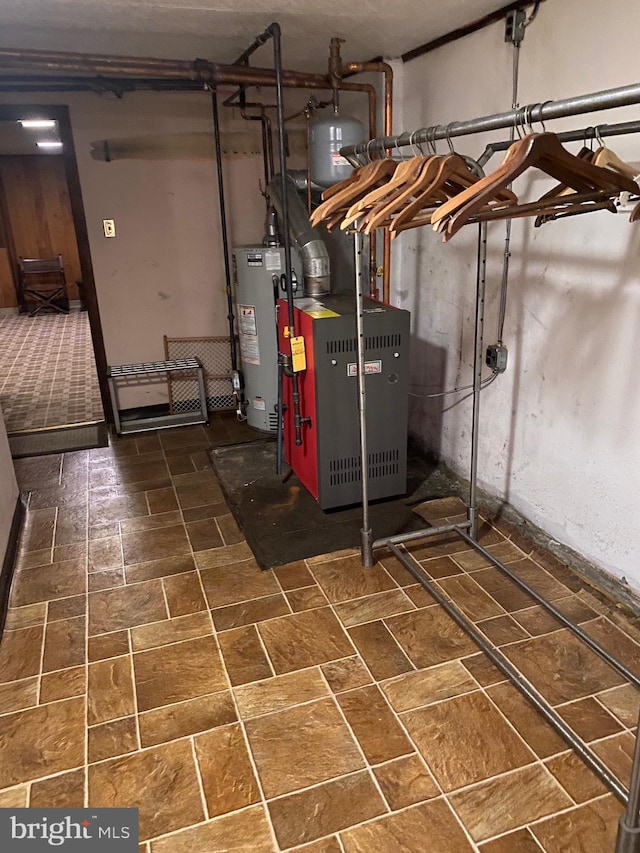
column 249, row 349
column 338, row 160
column 272, row 260
column 247, row 319
column 369, row 367
column 259, row 404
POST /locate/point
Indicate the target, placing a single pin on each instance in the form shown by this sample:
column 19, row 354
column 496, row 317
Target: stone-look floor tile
column 170, row 631
column 105, row 554
column 437, row 508
column 151, row 522
column 184, row 594
column 301, row 746
column 65, row 791
column 624, row 702
column 575, row 777
column 161, row 500
column 405, row 782
column 64, row 644
column 161, row 782
column 229, row 529
column 617, row 754
column 34, row 470
column 109, row 508
column 231, row 832
column 416, row 689
column 126, row 607
column 505, row 803
column 58, row 580
column 381, row 653
column 520, row 841
column 345, row 578
column 244, row 656
column 147, row 545
column 615, row 641
column 237, row 582
column 192, row 494
column 16, row 695
column 504, row 551
column 63, row 684
column 294, row 575
column 14, row 798
column 198, row 513
column 249, row 612
column 110, row 690
column 430, row 636
column 107, row 579
column 374, row 724
column 562, row 667
column 226, row 556
column 300, row 818
column 503, row 629
column 228, row 780
column 70, row 552
column 324, row 845
column 504, row 590
column 67, row 608
column 592, row 828
column 470, row 597
column 103, row 530
column 304, row 639
column 539, row 579
column 32, row 559
column 306, row 598
column 108, row 646
column 71, row 526
column 346, row 674
column 26, row 617
column 38, row 535
column 165, row 567
column 180, row 463
column 373, row 607
column 110, row 739
column 589, row 719
column 20, row 653
column 279, row 693
column 204, row 534
column 41, row 741
column 180, row 671
column 441, row 567
column 186, row 718
column 542, row 739
column 465, row 740
column 408, row 831
column 146, row 469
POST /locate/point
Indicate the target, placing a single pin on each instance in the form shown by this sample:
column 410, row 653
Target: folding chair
column 43, row 285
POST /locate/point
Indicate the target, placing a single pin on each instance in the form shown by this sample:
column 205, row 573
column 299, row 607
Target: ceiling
column 219, row 30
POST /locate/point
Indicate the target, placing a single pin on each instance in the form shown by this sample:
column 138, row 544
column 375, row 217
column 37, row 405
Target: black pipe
column 223, row 225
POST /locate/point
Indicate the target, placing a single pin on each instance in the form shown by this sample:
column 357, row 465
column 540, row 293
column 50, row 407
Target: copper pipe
column 384, row 68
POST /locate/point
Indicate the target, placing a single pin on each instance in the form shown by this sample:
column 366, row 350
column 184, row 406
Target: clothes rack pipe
column 628, row 837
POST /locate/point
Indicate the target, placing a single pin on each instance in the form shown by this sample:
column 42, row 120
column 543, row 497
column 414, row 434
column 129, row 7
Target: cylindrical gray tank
column 328, row 135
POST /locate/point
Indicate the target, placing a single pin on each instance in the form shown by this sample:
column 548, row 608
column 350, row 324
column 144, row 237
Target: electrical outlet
column 496, row 358
column 109, row 227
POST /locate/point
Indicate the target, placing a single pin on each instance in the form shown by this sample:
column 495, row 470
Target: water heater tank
column 328, row 136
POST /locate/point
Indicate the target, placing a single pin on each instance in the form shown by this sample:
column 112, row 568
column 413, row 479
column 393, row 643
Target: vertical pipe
column 628, row 839
column 307, row 117
column 366, row 537
column 223, row 226
column 472, row 512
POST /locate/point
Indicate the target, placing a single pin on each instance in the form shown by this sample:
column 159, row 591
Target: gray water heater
column 257, row 282
column 328, row 135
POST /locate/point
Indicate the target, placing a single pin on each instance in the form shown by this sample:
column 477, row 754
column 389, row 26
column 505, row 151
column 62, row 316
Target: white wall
column 560, row 437
column 8, row 489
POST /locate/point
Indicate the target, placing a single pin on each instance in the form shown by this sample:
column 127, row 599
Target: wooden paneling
column 39, row 212
column 8, row 297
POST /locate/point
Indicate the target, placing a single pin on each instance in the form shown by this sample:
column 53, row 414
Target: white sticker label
column 369, row 367
column 272, row 260
column 259, row 404
column 247, row 319
column 249, row 349
column 338, row 160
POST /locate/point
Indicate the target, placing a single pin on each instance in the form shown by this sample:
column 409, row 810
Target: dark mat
column 283, row 523
column 66, row 440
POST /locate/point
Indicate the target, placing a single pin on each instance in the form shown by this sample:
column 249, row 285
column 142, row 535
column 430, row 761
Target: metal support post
column 628, row 840
column 472, row 511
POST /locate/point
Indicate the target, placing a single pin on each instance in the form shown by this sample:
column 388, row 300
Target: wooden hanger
column 368, row 177
column 608, row 159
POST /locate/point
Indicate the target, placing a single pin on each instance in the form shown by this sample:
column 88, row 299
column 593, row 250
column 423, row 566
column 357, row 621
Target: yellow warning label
column 298, row 357
column 321, row 313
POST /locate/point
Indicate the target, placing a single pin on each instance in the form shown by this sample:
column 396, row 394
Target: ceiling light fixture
column 37, row 123
column 50, row 145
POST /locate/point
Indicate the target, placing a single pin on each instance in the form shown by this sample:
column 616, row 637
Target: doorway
column 52, row 359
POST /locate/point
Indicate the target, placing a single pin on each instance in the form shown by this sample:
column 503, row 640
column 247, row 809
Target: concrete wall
column 8, row 490
column 560, row 437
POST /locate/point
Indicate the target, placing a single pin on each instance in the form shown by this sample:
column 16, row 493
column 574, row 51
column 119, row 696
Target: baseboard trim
column 10, row 560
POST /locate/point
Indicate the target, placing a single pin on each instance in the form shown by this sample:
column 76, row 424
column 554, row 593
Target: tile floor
column 148, row 662
column 47, row 371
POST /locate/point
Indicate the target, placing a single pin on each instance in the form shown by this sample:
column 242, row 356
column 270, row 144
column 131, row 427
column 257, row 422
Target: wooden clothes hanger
column 368, row 177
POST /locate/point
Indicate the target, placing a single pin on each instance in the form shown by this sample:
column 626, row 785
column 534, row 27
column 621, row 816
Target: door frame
column 15, row 112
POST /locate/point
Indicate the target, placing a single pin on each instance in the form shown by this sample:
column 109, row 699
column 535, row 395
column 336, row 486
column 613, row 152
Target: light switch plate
column 109, row 227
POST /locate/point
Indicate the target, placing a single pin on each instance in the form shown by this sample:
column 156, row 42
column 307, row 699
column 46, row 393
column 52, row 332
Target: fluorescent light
column 49, row 145
column 38, row 123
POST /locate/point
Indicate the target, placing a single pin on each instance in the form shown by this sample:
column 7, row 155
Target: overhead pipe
column 384, row 68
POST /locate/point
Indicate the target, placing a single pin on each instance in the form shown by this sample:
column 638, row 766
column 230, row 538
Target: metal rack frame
column 628, row 839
